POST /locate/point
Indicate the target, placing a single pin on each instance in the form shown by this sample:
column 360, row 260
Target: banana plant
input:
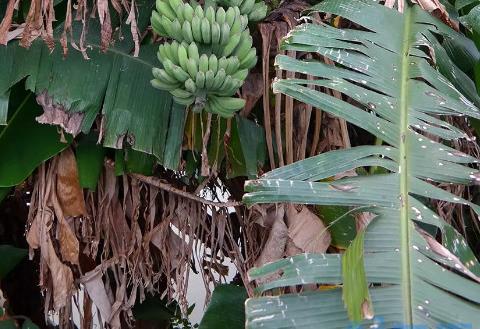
column 397, row 83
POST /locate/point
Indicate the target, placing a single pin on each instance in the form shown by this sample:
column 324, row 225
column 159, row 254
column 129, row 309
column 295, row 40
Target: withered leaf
column 307, row 231
column 69, row 192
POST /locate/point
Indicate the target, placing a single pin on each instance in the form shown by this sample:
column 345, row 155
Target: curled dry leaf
column 62, row 277
column 69, row 192
column 307, row 231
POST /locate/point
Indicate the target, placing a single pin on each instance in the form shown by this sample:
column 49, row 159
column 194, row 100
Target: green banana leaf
column 25, row 144
column 470, row 9
column 90, row 160
column 400, row 84
column 115, row 83
column 226, row 308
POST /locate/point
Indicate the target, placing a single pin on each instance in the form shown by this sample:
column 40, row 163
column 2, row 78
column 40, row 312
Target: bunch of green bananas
column 255, row 11
column 209, row 57
column 205, row 80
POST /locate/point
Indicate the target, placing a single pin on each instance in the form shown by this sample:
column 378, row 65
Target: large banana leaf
column 115, row 84
column 400, row 84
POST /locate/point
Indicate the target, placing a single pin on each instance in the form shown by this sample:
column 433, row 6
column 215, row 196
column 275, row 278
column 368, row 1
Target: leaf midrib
column 403, row 170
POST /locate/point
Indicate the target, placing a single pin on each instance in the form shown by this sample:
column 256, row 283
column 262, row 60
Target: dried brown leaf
column 277, row 240
column 96, row 290
column 69, row 245
column 56, row 114
column 33, row 24
column 307, row 231
column 252, row 91
column 6, row 22
column 69, row 192
column 62, row 278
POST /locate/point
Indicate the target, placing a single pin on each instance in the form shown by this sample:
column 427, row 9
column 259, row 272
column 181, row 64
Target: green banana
column 190, row 86
column 177, row 7
column 230, row 16
column 163, row 76
column 182, row 57
column 227, row 84
column 197, row 29
column 224, row 34
column 188, row 12
column 175, row 71
column 193, row 52
column 156, row 21
column 240, row 75
column 206, row 37
column 187, row 32
column 180, row 74
column 210, row 15
column 213, row 63
column 236, row 27
column 181, row 93
column 233, row 65
column 231, row 45
column 172, row 52
column 167, row 25
column 199, row 12
column 215, row 33
column 164, row 9
column 219, row 79
column 222, row 63
column 176, row 30
column 244, row 46
column 247, row 6
column 184, row 101
column 162, row 85
column 250, row 60
column 200, row 80
column 192, row 68
column 220, row 16
column 209, row 79
column 203, row 63
column 217, row 108
column 161, row 55
column 258, row 13
column 168, row 67
column 230, row 103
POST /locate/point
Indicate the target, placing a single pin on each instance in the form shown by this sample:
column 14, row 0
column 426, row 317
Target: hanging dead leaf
column 6, row 22
column 96, row 291
column 69, row 246
column 62, row 277
column 69, row 192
